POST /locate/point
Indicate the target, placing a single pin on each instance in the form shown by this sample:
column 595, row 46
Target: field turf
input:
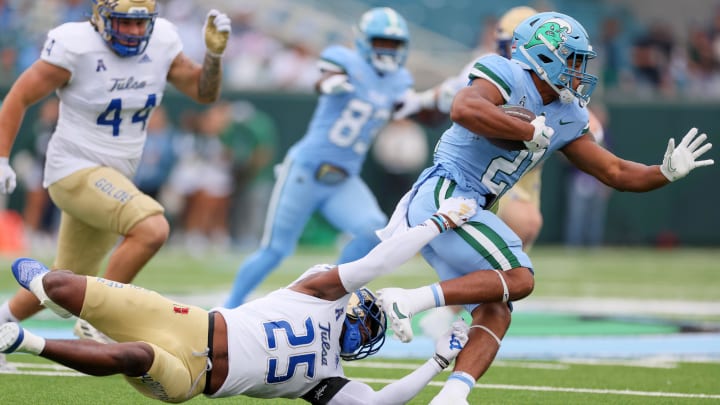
column 644, row 278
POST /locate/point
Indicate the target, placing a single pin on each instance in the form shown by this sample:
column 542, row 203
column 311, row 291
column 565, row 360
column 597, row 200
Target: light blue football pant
column 349, row 206
column 483, row 243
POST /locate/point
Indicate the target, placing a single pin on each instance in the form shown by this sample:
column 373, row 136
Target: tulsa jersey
column 105, row 107
column 476, row 163
column 283, row 344
column 344, row 126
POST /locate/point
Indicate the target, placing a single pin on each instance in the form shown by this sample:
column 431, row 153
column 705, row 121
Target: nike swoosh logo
column 565, row 122
column 399, row 314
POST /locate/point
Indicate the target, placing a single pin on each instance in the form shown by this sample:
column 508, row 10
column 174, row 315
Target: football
column 520, row 113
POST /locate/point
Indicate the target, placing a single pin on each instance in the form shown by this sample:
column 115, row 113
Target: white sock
column 6, row 315
column 420, row 299
column 32, row 343
column 458, row 385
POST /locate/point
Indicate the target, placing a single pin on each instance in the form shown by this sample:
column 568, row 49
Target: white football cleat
column 14, row 338
column 11, row 337
column 391, row 301
column 84, row 330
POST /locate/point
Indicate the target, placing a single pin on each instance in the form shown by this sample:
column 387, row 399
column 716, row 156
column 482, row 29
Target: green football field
column 634, row 295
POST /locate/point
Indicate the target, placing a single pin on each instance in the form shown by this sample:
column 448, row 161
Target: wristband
column 441, row 222
column 441, row 361
column 213, row 54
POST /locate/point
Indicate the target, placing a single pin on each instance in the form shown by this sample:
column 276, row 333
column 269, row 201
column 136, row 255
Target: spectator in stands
column 652, row 54
column 587, row 197
column 40, row 215
column 252, row 139
column 203, row 176
column 158, row 156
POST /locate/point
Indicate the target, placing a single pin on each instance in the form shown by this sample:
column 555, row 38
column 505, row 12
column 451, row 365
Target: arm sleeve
column 386, row 256
column 399, row 392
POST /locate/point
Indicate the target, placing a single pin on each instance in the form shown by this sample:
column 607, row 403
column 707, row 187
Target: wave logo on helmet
column 552, row 33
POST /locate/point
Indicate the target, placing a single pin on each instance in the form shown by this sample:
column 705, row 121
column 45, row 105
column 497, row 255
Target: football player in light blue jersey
column 359, row 90
column 483, row 154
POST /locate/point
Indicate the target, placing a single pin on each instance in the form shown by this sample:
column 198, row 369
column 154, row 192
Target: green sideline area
column 524, row 324
column 551, row 324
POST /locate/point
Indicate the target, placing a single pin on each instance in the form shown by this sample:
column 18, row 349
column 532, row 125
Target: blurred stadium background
column 655, row 270
column 659, row 64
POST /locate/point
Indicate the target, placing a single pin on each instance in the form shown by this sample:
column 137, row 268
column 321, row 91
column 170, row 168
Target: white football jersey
column 282, row 345
column 105, row 107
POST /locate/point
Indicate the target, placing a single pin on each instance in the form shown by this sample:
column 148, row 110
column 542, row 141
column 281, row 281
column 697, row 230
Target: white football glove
column 336, row 84
column 678, row 162
column 216, row 31
column 7, row 177
column 414, row 102
column 449, row 345
column 446, row 94
column 457, row 210
column 541, row 136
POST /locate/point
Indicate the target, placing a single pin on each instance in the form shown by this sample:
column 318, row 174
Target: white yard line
column 563, row 389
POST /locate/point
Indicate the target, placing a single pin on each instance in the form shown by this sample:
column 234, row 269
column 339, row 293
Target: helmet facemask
column 364, row 326
column 106, row 19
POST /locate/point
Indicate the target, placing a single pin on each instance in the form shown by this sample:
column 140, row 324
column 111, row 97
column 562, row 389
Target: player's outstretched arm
column 389, row 254
column 398, row 249
column 447, row 348
column 626, row 175
column 34, row 84
column 202, row 83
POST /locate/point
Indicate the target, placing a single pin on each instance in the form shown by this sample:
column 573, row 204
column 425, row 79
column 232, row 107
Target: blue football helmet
column 105, row 11
column 383, row 23
column 557, row 48
column 365, row 326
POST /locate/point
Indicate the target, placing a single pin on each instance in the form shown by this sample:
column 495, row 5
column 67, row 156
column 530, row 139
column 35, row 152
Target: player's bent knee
column 153, row 230
column 494, row 315
column 521, row 282
column 58, row 285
